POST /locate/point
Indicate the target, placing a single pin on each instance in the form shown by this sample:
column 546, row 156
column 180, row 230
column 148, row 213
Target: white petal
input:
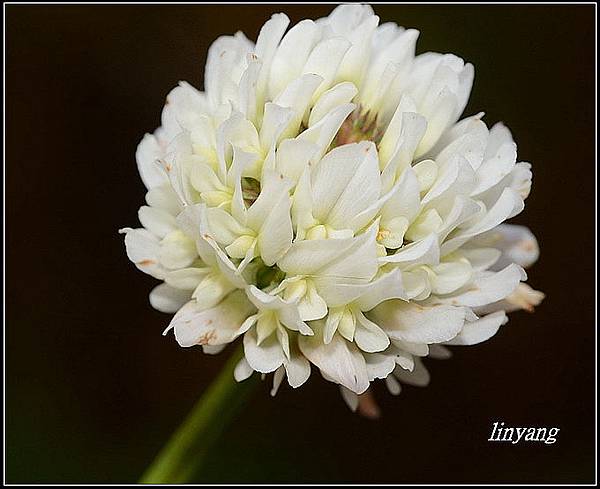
column 273, row 188
column 212, row 289
column 164, row 197
column 287, row 312
column 488, row 288
column 518, row 245
column 405, row 200
column 346, row 182
column 158, row 221
column 143, row 249
column 277, row 378
column 494, row 169
column 418, row 377
column 393, row 385
column 352, row 258
column 267, row 357
column 440, row 352
column 339, row 360
column 297, row 368
column 367, row 296
column 508, row 205
column 340, row 94
column 350, row 398
column 165, row 298
column 242, row 370
column 413, row 128
column 481, row 258
column 275, row 121
column 379, row 365
column 424, row 252
column 448, row 277
column 194, row 221
column 323, row 132
column 393, row 135
column 413, row 323
column 184, row 108
column 293, row 156
column 312, row 306
column 404, row 347
column 404, row 358
column 148, row 152
column 177, row 250
column 224, row 228
column 344, row 18
column 291, row 55
column 385, row 287
column 481, row 330
column 368, row 336
column 273, row 212
column 213, row 349
column 268, row 39
column 397, row 54
column 297, row 96
column 355, row 62
column 324, row 61
column 248, row 100
column 216, row 326
column 358, row 261
column 225, row 63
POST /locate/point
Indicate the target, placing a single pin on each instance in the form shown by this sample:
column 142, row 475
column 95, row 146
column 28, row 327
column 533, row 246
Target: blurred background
column 92, row 388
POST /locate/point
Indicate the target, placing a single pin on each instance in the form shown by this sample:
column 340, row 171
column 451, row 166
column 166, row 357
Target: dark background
column 93, row 389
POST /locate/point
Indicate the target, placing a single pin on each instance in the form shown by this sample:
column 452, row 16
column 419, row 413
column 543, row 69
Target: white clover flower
column 321, row 200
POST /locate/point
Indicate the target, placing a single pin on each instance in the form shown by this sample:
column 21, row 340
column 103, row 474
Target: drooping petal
column 148, row 153
column 340, row 360
column 297, row 367
column 266, row 357
column 481, row 330
column 368, row 336
column 349, row 397
column 165, row 298
column 419, row 377
column 439, row 352
column 242, row 370
column 143, row 250
column 379, row 365
column 517, row 243
column 218, row 325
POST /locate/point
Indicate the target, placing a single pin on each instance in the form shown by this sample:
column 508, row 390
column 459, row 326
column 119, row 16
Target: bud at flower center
column 358, row 126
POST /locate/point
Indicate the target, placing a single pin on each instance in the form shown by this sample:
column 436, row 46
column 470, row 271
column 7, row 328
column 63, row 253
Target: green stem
column 189, row 446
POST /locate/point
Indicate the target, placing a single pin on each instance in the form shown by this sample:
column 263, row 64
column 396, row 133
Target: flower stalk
column 187, row 451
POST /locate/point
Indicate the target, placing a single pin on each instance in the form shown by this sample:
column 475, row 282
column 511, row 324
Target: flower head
column 321, row 202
